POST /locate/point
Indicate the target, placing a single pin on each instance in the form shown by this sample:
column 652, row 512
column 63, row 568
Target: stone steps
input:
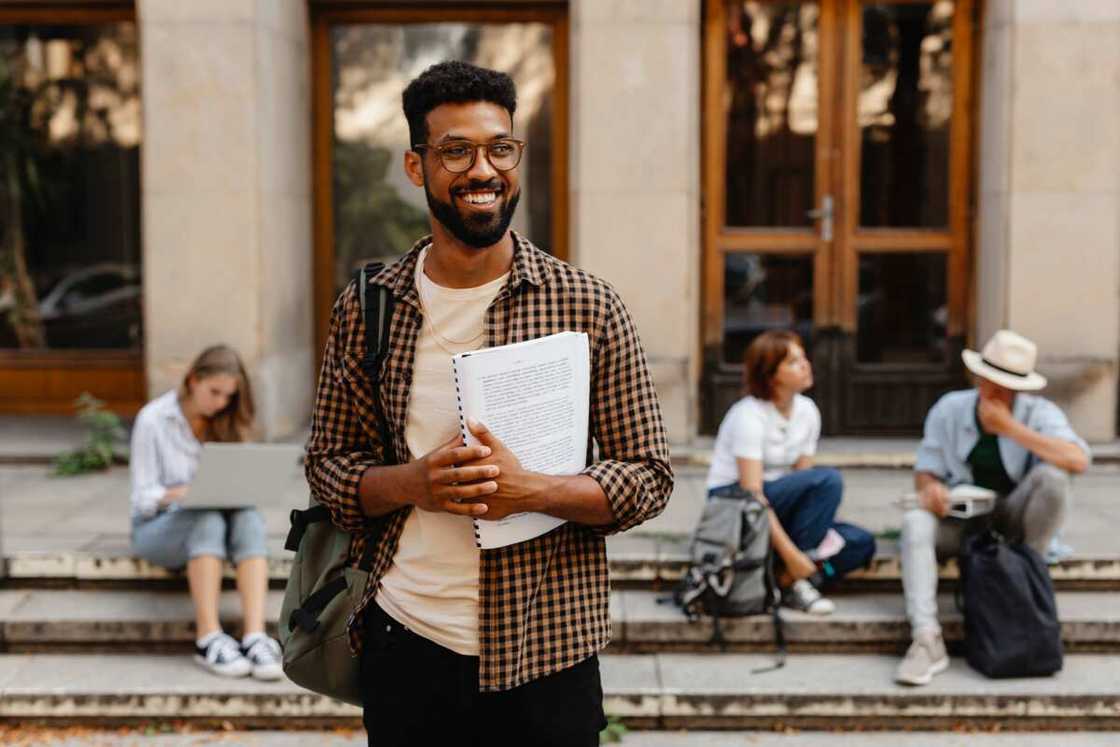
column 635, row 562
column 659, row 691
column 51, row 621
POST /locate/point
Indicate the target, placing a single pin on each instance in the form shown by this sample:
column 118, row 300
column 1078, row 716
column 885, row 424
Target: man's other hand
column 518, row 490
column 450, row 478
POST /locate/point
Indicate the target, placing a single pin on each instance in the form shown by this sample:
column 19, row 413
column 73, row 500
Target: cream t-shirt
column 432, row 584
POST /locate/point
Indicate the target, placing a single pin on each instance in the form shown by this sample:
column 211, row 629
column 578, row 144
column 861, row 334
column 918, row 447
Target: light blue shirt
column 164, row 454
column 951, row 434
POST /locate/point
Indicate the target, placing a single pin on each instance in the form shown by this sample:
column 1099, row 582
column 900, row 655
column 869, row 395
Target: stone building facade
column 232, row 171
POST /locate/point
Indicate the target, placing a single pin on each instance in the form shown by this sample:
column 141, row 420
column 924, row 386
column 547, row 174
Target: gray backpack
column 731, row 571
column 323, row 588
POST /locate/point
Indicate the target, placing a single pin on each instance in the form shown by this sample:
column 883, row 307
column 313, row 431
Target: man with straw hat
column 994, row 436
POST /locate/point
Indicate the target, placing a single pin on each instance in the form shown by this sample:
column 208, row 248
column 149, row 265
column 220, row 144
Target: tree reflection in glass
column 771, row 104
column 70, row 130
column 905, row 109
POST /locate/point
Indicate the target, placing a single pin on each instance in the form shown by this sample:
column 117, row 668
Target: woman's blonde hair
column 234, row 422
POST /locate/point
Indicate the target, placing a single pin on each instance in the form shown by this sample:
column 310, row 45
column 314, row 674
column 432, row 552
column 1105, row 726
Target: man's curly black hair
column 453, row 82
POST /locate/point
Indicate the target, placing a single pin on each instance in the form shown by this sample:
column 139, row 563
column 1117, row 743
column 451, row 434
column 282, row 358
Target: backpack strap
column 776, row 617
column 377, row 315
column 300, row 520
column 307, row 616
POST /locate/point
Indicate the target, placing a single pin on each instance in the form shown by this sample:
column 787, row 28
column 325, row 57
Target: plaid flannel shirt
column 543, row 604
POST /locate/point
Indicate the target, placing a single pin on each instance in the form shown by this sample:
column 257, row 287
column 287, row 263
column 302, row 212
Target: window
column 70, row 133
column 379, row 214
column 362, row 58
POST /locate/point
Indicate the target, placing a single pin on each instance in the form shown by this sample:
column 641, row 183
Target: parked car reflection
column 94, row 307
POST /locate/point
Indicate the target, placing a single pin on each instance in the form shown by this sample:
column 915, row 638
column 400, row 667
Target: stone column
column 227, row 195
column 1049, row 233
column 635, row 114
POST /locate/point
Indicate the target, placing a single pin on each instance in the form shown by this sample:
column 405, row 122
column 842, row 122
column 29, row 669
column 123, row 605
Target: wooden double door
column 837, row 199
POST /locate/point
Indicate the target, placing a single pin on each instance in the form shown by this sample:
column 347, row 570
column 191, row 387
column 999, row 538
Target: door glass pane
column 905, row 107
column 771, row 105
column 378, row 213
column 69, row 196
column 763, row 292
column 902, row 308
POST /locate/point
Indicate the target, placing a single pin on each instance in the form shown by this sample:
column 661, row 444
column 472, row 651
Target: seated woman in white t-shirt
column 766, row 444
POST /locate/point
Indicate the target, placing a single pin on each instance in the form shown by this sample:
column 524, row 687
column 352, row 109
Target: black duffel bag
column 1010, row 617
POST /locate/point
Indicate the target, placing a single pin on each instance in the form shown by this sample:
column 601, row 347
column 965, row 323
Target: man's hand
column 442, row 480
column 517, row 489
column 935, row 499
column 995, row 416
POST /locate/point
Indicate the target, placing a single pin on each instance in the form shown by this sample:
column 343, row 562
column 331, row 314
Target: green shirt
column 987, row 464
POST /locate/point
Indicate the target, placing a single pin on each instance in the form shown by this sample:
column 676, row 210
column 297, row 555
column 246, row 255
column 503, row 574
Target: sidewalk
column 40, row 438
column 40, row 513
column 344, row 738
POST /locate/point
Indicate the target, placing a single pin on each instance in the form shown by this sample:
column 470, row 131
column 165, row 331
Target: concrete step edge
column 660, row 691
column 665, row 565
column 94, row 620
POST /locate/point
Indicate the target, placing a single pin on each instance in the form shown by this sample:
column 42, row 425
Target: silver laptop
column 244, row 474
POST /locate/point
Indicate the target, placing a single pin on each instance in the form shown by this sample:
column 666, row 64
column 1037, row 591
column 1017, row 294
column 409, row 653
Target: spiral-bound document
column 534, row 396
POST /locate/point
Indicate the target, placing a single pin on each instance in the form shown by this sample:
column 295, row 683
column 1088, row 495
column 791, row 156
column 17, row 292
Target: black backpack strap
column 300, row 520
column 377, row 313
column 377, row 316
column 776, row 617
column 307, row 616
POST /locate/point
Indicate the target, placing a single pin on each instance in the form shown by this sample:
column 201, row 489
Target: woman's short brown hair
column 763, row 357
column 235, row 421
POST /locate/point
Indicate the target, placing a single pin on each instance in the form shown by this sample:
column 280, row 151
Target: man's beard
column 476, row 230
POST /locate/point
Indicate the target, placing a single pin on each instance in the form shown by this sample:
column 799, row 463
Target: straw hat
column 1008, row 360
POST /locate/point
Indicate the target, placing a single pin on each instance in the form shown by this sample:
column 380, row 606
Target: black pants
column 416, row 692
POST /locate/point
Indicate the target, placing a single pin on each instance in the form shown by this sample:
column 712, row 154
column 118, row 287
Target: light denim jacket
column 951, row 434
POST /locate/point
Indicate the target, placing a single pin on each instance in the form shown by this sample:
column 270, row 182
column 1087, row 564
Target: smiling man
column 458, row 645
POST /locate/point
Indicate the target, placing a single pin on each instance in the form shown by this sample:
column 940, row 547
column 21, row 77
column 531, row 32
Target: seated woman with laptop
column 214, row 403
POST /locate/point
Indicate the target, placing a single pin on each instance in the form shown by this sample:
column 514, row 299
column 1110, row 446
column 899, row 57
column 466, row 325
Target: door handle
column 824, row 215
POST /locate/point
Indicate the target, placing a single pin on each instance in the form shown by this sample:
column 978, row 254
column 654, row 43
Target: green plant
column 890, row 533
column 104, row 430
column 614, row 732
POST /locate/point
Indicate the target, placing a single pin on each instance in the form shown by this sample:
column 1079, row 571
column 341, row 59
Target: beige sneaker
column 925, row 658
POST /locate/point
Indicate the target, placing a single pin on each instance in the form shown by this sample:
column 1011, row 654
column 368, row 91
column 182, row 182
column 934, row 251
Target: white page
column 967, row 501
column 534, row 396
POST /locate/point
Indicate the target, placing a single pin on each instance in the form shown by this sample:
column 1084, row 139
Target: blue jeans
column 172, row 538
column 805, row 503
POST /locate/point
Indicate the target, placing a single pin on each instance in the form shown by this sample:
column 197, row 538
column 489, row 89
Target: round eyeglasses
column 458, row 156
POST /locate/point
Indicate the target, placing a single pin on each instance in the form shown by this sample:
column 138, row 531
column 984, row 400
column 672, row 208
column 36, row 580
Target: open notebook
column 967, row 501
column 534, row 396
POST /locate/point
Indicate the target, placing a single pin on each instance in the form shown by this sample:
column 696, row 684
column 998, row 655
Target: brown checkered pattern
column 543, row 603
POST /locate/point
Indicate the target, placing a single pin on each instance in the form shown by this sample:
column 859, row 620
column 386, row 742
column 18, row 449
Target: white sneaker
column 263, row 654
column 222, row 655
column 804, row 597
